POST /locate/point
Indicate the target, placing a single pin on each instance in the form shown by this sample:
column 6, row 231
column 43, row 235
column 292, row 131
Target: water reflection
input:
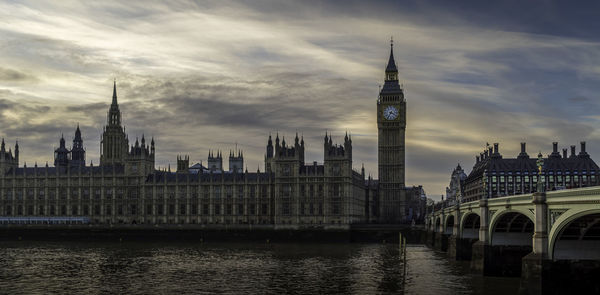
column 142, row 268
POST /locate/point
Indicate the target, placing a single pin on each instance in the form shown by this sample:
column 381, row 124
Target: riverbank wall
column 244, row 233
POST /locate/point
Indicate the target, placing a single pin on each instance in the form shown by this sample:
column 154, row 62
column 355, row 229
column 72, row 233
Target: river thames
column 234, row 268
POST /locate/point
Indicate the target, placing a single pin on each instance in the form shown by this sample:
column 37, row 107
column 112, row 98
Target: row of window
column 548, row 179
column 228, row 190
column 133, row 210
column 161, row 209
column 64, row 181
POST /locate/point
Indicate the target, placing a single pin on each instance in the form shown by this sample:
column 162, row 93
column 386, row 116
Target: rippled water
column 169, row 268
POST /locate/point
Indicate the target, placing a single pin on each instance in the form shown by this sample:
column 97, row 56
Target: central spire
column 114, row 115
column 115, row 143
column 114, row 98
column 77, row 133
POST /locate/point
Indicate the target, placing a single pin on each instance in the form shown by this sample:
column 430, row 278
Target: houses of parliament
column 125, row 188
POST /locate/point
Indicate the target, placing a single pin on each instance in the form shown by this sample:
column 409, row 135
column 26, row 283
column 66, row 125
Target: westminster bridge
column 550, row 239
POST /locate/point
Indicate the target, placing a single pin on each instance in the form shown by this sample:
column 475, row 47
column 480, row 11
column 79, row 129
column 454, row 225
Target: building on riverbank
column 125, row 188
column 495, row 176
column 454, row 190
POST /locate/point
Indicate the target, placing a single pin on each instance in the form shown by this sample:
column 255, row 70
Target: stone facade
column 454, row 190
column 127, row 189
column 391, row 125
column 495, row 176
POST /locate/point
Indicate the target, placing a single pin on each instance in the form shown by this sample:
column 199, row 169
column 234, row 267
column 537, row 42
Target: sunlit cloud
column 213, row 75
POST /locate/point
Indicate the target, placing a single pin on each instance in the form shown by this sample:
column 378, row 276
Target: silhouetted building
column 514, row 176
column 391, row 125
column 454, row 190
column 126, row 187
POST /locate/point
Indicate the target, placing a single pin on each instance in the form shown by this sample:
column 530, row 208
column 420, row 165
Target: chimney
column 572, row 151
column 523, row 154
column 490, row 153
column 495, row 148
column 555, row 153
column 476, row 159
column 564, row 153
column 582, row 152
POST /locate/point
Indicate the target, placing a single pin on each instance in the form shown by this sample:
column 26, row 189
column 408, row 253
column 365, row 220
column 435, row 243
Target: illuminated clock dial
column 390, row 113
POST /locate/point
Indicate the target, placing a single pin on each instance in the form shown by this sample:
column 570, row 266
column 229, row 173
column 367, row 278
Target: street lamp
column 540, row 164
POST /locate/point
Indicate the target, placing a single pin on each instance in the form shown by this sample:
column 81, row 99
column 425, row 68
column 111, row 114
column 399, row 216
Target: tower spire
column 77, row 133
column 114, row 142
column 391, row 66
column 114, row 98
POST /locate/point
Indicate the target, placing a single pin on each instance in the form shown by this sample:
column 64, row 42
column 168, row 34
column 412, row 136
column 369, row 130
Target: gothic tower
column 7, row 160
column 236, row 163
column 391, row 125
column 114, row 141
column 77, row 151
column 269, row 155
column 61, row 154
column 215, row 163
column 183, row 163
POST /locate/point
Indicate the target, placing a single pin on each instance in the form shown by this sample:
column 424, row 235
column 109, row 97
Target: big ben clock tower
column 391, row 125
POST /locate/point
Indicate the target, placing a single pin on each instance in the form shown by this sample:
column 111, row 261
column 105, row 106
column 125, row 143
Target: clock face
column 390, row 113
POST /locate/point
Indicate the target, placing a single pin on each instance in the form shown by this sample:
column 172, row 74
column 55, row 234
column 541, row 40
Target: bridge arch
column 437, row 224
column 469, row 226
column 576, row 235
column 512, row 227
column 449, row 224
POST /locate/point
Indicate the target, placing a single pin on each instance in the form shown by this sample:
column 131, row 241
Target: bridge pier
column 430, row 238
column 460, row 248
column 480, row 257
column 453, row 246
column 480, row 250
column 440, row 239
column 495, row 259
column 536, row 265
column 498, row 260
column 440, row 242
column 454, row 238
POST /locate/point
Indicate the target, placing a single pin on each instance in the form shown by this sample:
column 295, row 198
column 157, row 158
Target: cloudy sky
column 209, row 74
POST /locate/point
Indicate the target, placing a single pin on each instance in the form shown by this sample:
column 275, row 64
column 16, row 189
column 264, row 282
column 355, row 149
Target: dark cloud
column 89, row 108
column 288, row 101
column 216, row 74
column 10, row 75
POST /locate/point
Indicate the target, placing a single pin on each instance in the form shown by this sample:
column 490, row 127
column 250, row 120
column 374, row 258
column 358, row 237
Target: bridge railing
column 522, row 198
column 584, row 191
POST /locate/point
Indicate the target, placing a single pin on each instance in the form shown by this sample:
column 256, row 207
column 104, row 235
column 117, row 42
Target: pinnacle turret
column 77, row 133
column 77, row 151
column 391, row 66
column 114, row 97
